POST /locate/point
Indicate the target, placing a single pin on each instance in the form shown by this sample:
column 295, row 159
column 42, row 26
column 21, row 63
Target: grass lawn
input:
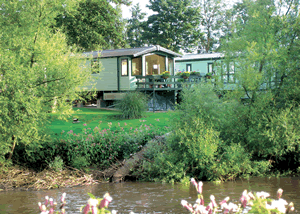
column 93, row 117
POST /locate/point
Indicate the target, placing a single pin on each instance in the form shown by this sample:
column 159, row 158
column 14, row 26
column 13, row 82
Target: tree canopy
column 211, row 21
column 135, row 27
column 94, row 25
column 173, row 25
column 38, row 71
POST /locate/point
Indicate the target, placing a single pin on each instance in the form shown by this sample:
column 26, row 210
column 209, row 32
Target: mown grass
column 101, row 118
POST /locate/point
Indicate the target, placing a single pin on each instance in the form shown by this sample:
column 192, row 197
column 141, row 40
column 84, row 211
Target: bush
column 91, row 147
column 79, row 162
column 57, row 164
column 199, row 145
column 133, row 105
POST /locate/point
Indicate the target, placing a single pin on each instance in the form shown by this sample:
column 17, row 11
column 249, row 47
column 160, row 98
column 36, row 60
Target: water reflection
column 147, row 197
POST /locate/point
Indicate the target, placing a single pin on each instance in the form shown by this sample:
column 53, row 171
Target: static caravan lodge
column 202, row 63
column 116, row 71
column 208, row 63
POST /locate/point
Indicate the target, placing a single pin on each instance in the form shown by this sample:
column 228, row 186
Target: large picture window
column 136, row 66
column 155, row 64
column 124, row 67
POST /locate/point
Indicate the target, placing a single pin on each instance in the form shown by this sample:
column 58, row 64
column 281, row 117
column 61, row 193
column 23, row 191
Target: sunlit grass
column 101, row 118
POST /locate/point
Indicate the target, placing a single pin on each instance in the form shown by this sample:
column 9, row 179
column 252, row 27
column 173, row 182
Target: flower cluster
column 49, row 205
column 105, row 146
column 196, row 73
column 166, row 74
column 97, row 205
column 249, row 202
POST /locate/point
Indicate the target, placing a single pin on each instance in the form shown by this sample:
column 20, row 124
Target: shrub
column 79, row 162
column 93, row 147
column 197, row 146
column 133, row 105
column 57, row 164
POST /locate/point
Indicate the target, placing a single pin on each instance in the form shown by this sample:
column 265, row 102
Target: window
column 155, row 64
column 124, row 67
column 228, row 71
column 210, row 68
column 95, row 66
column 136, row 66
column 189, row 67
column 170, row 65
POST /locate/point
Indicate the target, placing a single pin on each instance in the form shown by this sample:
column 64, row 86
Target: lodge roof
column 135, row 52
column 206, row 56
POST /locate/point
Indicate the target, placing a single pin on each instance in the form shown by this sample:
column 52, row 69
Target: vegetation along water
column 242, row 122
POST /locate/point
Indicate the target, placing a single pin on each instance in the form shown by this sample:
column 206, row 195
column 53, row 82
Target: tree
column 211, row 21
column 38, row 72
column 94, row 25
column 134, row 27
column 174, row 26
column 264, row 47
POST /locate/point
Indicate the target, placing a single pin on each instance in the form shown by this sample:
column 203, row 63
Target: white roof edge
column 157, row 48
column 200, row 56
column 145, row 51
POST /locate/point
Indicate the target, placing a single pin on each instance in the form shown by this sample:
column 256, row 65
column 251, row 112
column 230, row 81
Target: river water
column 144, row 197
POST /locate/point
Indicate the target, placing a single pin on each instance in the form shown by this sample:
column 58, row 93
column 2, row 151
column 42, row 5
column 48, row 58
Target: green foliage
column 100, row 21
column 57, row 164
column 38, row 73
column 133, row 105
column 212, row 20
column 173, row 24
column 134, row 28
column 91, row 147
column 259, row 206
column 198, row 146
column 79, row 162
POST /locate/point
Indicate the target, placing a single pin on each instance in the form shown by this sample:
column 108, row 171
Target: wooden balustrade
column 158, row 83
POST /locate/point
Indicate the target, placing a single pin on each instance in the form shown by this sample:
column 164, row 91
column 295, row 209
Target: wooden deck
column 164, row 92
column 157, row 83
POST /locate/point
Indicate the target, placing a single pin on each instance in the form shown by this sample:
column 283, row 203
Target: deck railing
column 157, row 83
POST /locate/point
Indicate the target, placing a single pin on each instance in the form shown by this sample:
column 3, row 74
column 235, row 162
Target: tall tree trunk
column 13, row 147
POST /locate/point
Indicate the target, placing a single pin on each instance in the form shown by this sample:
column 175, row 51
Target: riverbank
column 18, row 178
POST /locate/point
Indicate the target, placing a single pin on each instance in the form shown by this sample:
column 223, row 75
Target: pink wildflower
column 106, row 200
column 40, row 206
column 244, row 198
column 279, row 193
column 125, row 124
column 86, row 209
column 200, row 185
column 185, row 204
column 51, row 211
column 224, row 201
column 85, row 124
column 46, row 200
